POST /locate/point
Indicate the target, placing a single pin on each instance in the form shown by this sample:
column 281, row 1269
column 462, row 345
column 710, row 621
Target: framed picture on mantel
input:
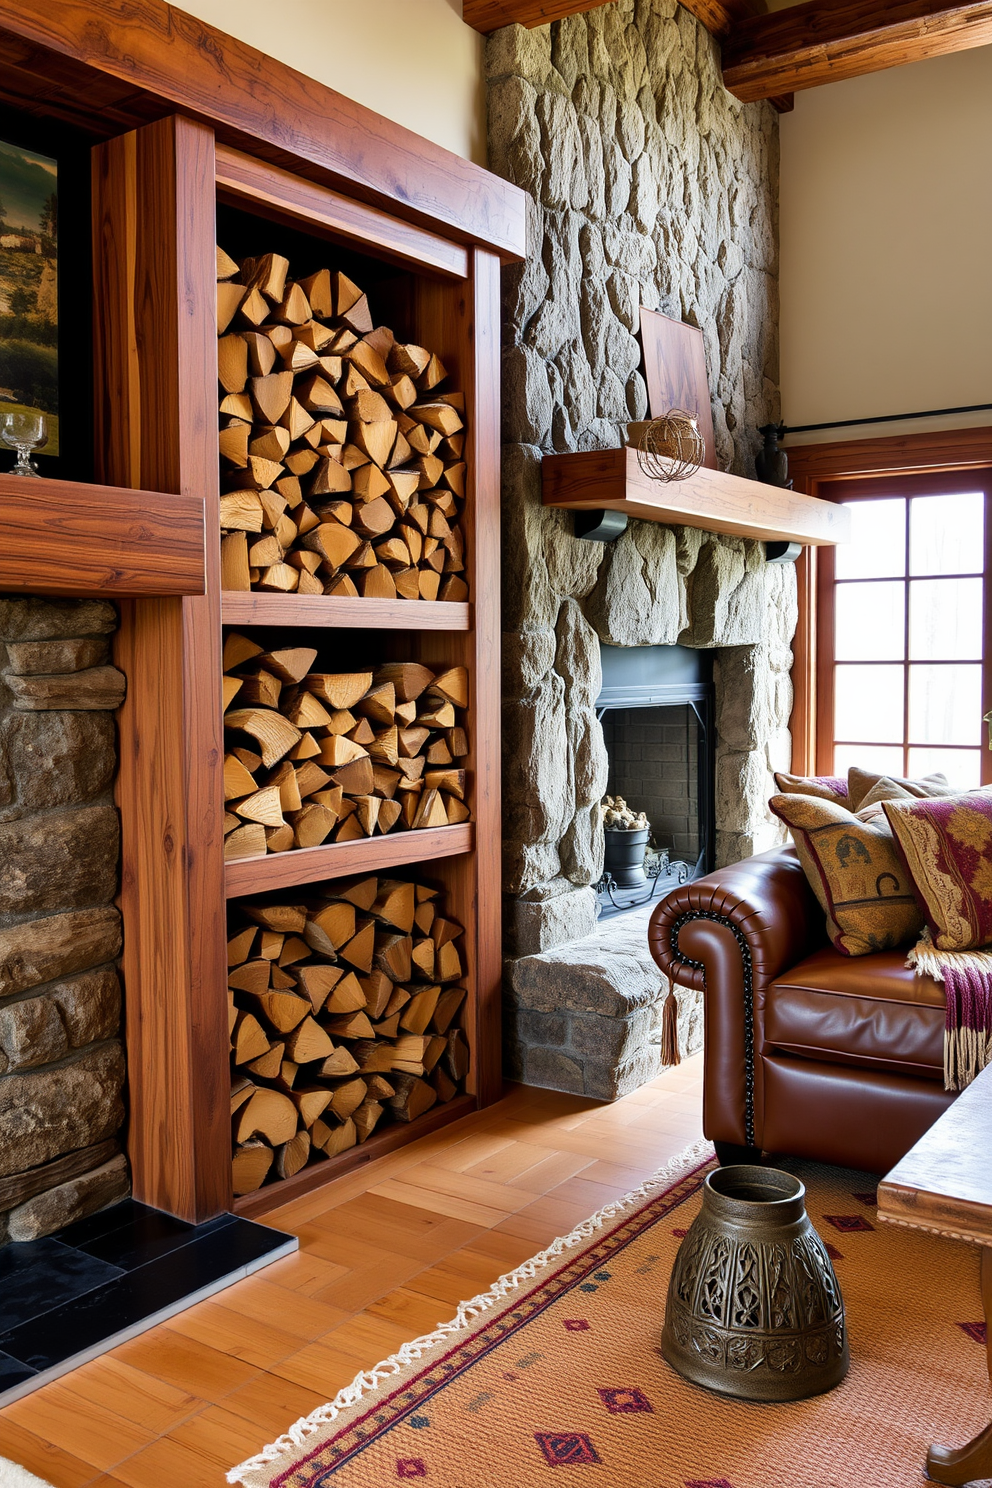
column 675, row 372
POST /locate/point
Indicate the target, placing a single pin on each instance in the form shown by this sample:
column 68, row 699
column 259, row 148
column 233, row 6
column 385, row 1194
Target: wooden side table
column 944, row 1185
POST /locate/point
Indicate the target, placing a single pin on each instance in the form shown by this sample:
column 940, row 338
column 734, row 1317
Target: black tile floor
column 74, row 1295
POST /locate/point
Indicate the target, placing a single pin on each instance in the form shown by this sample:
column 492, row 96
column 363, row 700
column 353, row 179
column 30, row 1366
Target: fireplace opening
column 656, row 709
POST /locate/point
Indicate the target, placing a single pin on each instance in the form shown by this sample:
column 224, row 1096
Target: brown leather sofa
column 807, row 1052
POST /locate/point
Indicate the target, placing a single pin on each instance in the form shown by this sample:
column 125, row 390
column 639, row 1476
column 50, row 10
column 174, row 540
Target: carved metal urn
column 754, row 1309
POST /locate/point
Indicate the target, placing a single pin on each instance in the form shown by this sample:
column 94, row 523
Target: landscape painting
column 29, row 285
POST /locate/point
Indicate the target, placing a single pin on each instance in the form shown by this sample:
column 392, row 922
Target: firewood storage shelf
column 147, row 532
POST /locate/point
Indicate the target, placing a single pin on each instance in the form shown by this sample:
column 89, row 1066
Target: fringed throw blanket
column 947, row 846
column 967, row 980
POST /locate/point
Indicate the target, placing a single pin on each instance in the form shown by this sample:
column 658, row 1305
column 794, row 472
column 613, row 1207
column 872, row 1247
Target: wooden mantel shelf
column 612, row 480
column 63, row 537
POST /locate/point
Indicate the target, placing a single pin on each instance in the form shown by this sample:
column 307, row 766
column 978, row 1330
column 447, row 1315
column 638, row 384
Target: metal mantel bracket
column 600, row 526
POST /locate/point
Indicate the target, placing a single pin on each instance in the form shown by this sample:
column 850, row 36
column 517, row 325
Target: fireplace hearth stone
column 586, row 1017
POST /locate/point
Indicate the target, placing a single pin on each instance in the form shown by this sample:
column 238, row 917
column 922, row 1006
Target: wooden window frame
column 878, row 488
column 814, row 467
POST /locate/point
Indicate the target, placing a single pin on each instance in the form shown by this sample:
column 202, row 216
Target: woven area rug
column 559, row 1366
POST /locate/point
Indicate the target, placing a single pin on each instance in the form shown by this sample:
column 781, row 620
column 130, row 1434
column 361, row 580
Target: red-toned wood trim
column 339, row 859
column 65, row 537
column 465, row 329
column 825, row 41
column 267, row 191
column 485, row 375
column 718, row 16
column 386, row 1139
column 803, row 672
column 168, row 60
column 893, row 454
column 156, row 378
column 242, row 608
column 820, row 726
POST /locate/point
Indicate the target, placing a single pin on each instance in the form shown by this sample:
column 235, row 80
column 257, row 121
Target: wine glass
column 23, row 432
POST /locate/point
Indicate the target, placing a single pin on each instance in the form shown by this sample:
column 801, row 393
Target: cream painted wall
column 886, row 246
column 415, row 61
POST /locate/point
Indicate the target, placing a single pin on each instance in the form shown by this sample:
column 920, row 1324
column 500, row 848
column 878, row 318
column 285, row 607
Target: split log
column 252, row 1161
column 340, row 1049
column 310, row 385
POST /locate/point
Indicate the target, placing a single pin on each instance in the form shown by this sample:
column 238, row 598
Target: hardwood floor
column 385, row 1254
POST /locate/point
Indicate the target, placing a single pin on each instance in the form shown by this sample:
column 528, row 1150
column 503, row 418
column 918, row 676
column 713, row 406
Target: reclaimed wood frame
column 612, row 480
column 183, row 117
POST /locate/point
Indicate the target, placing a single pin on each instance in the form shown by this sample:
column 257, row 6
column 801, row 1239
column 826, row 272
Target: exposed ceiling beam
column 718, row 16
column 823, row 41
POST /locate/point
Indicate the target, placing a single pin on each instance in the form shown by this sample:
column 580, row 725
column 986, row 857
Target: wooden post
column 464, row 327
column 156, row 380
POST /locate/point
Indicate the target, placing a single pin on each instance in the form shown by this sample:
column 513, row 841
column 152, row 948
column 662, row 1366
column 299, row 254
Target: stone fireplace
column 649, row 185
column 657, row 715
column 61, row 1056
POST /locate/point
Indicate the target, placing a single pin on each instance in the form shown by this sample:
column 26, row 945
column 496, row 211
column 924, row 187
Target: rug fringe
column 370, row 1379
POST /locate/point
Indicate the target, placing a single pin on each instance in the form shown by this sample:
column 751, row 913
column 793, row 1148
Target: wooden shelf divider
column 65, row 537
column 612, row 480
column 340, row 859
column 304, row 610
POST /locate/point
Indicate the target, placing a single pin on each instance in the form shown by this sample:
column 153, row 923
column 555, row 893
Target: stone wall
column 648, row 184
column 61, row 1058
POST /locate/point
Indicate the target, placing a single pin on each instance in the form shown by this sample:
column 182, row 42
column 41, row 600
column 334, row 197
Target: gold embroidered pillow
column 947, row 847
column 860, row 782
column 854, row 870
column 826, row 787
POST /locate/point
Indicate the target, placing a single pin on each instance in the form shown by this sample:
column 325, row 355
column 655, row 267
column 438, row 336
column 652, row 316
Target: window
column 904, row 615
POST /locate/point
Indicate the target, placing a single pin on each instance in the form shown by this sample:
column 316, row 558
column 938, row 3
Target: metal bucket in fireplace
column 625, row 856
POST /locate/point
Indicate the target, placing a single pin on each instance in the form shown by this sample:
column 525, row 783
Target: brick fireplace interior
column 656, row 711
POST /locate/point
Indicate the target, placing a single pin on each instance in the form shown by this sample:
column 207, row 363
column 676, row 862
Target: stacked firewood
column 313, row 755
column 343, row 1013
column 344, row 469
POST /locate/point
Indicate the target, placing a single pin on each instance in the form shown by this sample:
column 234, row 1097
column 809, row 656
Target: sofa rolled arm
column 765, row 901
column 729, row 934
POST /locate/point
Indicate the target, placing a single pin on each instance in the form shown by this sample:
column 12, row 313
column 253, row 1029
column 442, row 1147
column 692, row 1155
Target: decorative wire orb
column 671, row 447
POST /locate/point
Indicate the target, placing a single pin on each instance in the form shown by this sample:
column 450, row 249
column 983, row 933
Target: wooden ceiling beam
column 718, row 16
column 823, row 41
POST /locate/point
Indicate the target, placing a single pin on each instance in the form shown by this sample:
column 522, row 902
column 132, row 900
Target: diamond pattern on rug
column 874, row 1430
column 977, row 1332
column 848, row 1223
column 869, row 1199
column 619, row 1401
column 566, row 1448
column 833, row 1252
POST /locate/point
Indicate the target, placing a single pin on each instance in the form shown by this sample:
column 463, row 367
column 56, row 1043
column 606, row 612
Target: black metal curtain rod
column 883, row 418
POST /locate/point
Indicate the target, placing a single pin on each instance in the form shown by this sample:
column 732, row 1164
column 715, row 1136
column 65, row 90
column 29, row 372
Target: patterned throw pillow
column 947, row 847
column 854, row 870
column 860, row 782
column 824, row 787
